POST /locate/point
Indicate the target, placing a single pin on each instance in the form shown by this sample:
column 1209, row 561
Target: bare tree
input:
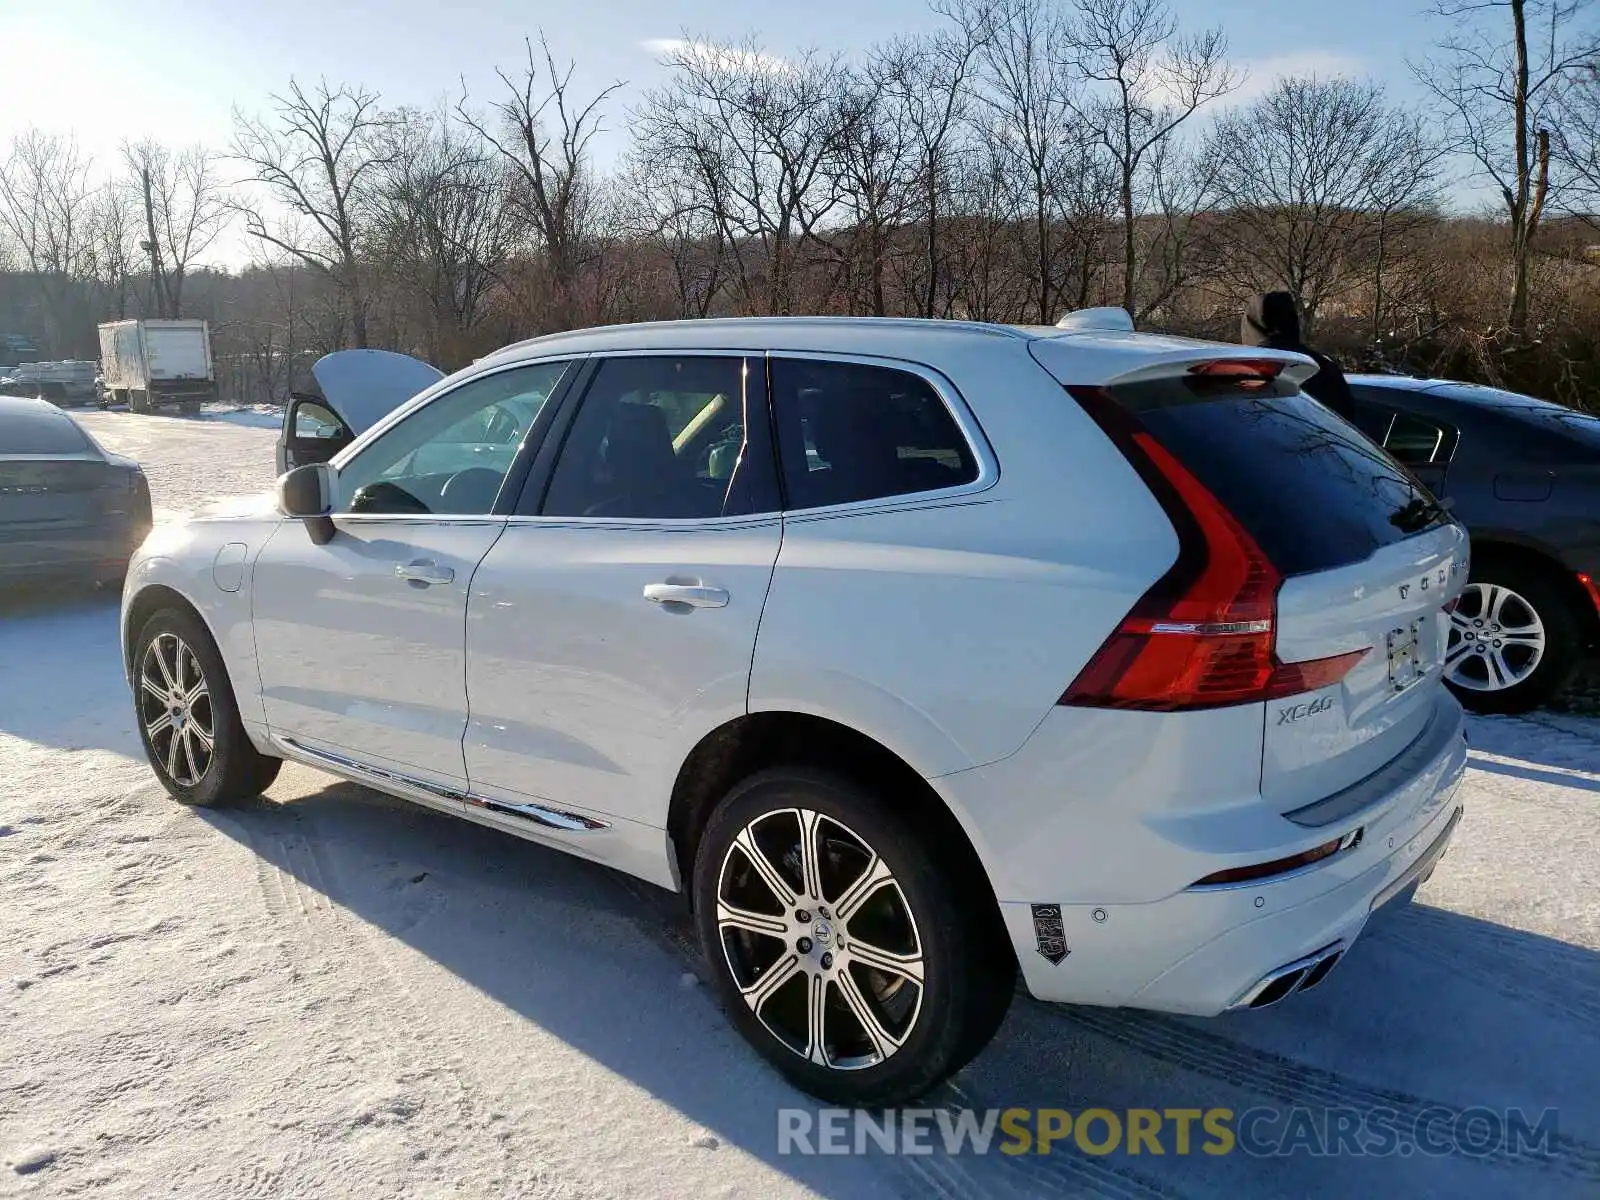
column 1498, row 77
column 1577, row 145
column 1151, row 81
column 45, row 205
column 185, row 209
column 542, row 134
column 1032, row 102
column 750, row 142
column 317, row 157
column 442, row 227
column 1312, row 178
column 113, row 247
column 926, row 81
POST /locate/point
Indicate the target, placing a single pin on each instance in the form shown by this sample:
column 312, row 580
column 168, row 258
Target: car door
column 312, row 433
column 360, row 640
column 612, row 624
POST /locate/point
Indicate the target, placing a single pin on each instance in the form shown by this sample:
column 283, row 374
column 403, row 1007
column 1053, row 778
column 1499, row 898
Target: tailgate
column 1393, row 606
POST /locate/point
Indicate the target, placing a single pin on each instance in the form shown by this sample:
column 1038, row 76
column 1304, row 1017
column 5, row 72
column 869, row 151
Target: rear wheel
column 187, row 716
column 843, row 948
column 1514, row 639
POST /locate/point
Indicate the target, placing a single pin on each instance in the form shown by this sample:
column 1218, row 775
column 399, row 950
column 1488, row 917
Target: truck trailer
column 149, row 364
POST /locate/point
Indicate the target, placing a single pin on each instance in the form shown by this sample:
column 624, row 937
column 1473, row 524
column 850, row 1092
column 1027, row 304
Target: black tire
column 235, row 769
column 966, row 985
column 1542, row 594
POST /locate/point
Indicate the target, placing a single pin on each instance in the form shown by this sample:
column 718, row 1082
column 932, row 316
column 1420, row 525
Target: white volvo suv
column 915, row 653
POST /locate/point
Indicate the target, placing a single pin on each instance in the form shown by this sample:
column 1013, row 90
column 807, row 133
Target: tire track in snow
column 663, row 918
column 1275, row 1077
column 1498, row 960
column 305, row 890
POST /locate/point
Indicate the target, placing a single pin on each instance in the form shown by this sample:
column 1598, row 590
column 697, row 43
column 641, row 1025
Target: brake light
column 1203, row 635
column 1241, row 374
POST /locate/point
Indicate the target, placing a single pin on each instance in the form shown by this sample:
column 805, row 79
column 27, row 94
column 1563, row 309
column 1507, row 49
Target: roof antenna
column 1099, row 320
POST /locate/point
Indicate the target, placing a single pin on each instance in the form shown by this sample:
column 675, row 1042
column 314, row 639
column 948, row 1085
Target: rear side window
column 1416, row 441
column 1312, row 493
column 849, row 432
column 40, row 432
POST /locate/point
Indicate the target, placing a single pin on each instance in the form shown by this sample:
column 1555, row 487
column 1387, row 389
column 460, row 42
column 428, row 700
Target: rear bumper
column 1202, row 950
column 93, row 555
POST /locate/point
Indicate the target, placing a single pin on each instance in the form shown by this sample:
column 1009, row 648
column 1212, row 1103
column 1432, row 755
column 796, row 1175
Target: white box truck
column 149, row 363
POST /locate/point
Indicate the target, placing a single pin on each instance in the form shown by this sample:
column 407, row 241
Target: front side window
column 849, row 432
column 660, row 438
column 450, row 457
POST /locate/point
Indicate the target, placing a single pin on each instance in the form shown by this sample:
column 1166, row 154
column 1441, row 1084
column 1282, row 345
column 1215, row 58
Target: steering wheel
column 501, row 426
column 470, row 491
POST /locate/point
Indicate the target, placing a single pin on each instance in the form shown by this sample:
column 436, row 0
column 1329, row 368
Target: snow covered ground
column 331, row 993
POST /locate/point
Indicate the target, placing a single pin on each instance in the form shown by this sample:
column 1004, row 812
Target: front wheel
column 1514, row 640
column 188, row 720
column 842, row 946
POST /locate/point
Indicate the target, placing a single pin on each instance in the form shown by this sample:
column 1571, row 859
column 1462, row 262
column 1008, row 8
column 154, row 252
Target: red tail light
column 1203, row 635
column 1589, row 585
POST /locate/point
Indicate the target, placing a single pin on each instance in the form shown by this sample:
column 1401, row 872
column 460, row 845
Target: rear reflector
column 1203, row 635
column 1279, row 866
column 1588, row 584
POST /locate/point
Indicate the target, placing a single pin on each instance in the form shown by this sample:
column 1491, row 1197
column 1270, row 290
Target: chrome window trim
column 955, row 404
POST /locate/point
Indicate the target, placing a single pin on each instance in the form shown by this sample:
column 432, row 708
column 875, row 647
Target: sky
column 174, row 70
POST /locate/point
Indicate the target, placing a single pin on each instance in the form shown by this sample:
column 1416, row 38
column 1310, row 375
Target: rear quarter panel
column 946, row 629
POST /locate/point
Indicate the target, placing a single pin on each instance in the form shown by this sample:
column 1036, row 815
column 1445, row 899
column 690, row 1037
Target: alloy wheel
column 175, row 709
column 820, row 939
column 1496, row 639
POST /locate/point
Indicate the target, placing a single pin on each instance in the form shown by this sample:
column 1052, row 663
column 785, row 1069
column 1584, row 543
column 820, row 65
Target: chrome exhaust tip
column 1301, row 975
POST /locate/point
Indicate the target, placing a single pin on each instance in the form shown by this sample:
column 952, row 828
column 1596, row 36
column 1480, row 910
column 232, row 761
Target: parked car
column 1523, row 476
column 70, row 381
column 914, row 652
column 67, row 507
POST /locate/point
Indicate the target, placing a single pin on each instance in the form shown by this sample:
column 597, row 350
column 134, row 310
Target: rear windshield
column 39, row 432
column 1312, row 491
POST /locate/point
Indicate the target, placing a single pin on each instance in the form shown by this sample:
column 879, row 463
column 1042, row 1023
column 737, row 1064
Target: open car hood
column 364, row 386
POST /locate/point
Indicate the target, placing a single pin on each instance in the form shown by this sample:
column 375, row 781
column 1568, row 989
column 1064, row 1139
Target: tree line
column 1019, row 159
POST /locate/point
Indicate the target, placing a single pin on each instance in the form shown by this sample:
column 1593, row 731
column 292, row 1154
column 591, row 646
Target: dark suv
column 1523, row 476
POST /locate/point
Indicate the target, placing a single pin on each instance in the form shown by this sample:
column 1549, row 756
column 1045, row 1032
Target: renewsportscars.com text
column 1260, row 1132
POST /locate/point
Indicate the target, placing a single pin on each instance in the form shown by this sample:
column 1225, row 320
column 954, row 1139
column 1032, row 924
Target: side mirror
column 306, row 493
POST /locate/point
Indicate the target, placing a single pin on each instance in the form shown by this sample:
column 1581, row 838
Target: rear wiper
column 1419, row 512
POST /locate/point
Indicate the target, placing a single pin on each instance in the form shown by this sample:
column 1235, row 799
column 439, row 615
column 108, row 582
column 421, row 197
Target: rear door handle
column 692, row 594
column 423, row 570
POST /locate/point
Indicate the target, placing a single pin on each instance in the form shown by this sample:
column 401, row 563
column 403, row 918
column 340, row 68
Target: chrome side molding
column 539, row 814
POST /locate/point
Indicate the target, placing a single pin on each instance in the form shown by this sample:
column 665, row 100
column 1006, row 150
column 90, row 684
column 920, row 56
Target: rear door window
column 1313, row 495
column 849, row 432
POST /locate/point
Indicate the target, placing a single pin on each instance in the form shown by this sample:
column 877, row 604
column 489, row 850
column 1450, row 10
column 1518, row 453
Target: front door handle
column 693, row 595
column 424, row 571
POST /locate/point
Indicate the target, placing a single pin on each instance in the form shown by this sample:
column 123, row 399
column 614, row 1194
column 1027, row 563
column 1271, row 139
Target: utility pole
column 152, row 247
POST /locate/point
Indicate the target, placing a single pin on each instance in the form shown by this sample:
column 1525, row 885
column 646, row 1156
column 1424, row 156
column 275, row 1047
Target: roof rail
column 1097, row 319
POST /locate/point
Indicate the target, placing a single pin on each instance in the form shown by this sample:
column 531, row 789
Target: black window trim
column 758, row 431
column 516, row 475
column 949, row 395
